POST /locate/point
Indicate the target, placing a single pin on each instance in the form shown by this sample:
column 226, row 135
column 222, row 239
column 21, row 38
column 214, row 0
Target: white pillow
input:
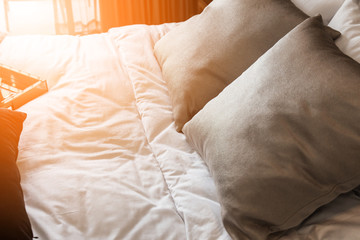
column 327, row 8
column 347, row 21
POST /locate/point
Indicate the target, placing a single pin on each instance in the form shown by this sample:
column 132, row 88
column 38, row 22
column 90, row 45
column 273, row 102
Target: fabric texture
column 99, row 155
column 347, row 21
column 337, row 220
column 207, row 52
column 14, row 221
column 283, row 138
column 326, row 8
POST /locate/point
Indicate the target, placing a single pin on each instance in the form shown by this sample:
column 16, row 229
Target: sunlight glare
column 31, row 17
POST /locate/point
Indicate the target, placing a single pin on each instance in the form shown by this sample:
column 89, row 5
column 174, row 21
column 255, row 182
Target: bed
column 136, row 138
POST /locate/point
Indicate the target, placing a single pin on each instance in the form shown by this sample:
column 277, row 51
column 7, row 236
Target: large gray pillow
column 207, row 52
column 284, row 138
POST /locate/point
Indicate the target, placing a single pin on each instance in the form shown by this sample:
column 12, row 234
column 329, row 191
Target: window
column 49, row 16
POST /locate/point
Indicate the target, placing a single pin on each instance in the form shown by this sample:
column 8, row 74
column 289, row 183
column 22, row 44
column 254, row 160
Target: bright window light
column 49, row 16
column 29, row 17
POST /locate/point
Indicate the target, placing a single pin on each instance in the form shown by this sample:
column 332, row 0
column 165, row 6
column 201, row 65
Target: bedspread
column 99, row 155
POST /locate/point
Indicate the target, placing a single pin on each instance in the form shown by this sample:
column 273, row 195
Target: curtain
column 115, row 13
column 93, row 16
column 77, row 16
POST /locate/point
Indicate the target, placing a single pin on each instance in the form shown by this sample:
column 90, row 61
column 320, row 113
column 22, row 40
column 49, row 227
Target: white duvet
column 99, row 155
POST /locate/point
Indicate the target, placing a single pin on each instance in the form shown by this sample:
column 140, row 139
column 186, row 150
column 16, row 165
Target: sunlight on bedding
column 100, row 156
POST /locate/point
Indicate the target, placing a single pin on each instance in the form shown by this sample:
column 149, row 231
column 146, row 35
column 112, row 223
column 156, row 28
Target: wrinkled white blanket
column 99, row 155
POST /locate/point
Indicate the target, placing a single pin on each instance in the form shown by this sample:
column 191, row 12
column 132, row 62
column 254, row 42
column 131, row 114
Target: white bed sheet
column 99, row 155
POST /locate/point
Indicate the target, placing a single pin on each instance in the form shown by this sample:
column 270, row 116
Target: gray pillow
column 284, row 138
column 207, row 52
